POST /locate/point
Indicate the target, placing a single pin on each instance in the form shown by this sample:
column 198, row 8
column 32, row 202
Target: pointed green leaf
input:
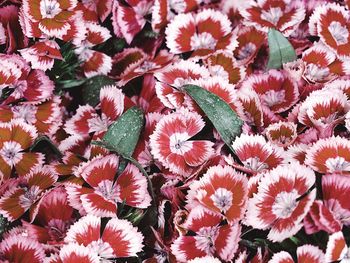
column 92, row 87
column 123, row 134
column 280, row 50
column 224, row 119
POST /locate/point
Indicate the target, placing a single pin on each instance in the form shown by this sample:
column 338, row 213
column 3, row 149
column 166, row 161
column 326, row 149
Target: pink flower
column 305, row 253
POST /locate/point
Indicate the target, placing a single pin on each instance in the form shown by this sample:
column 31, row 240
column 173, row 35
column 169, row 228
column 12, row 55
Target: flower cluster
column 81, row 181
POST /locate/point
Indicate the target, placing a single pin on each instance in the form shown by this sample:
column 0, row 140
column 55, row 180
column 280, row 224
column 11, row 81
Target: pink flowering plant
column 162, row 131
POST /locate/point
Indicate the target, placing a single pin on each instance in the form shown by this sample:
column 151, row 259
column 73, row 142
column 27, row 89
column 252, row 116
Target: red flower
column 27, row 193
column 210, row 237
column 119, row 238
column 203, row 33
column 256, row 154
column 42, row 55
column 278, row 14
column 53, row 17
column 102, row 8
column 104, row 192
column 305, row 253
column 276, row 205
column 331, row 23
column 15, row 138
column 18, row 248
column 331, row 155
column 222, row 190
column 170, row 143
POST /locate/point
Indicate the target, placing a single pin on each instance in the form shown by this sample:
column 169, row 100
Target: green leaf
column 280, row 50
column 123, row 134
column 92, row 87
column 68, row 84
column 224, row 119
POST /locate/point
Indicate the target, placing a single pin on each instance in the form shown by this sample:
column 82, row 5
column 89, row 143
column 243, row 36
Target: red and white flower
column 171, row 145
column 305, row 253
column 19, row 248
column 337, row 249
column 138, row 64
column 252, row 108
column 224, row 64
column 279, row 204
column 102, row 8
column 203, row 33
column 165, row 10
column 26, row 195
column 265, row 14
column 330, row 155
column 172, row 78
column 210, row 237
column 53, row 17
column 46, row 117
column 54, row 217
column 104, row 192
column 130, row 18
column 74, row 252
column 276, row 89
column 86, row 120
column 42, row 55
column 335, row 189
column 320, row 218
column 204, row 260
column 221, row 190
column 282, row 134
column 331, row 22
column 16, row 75
column 94, row 62
column 324, row 109
column 322, row 65
column 15, row 138
column 250, row 41
column 119, row 238
column 256, row 154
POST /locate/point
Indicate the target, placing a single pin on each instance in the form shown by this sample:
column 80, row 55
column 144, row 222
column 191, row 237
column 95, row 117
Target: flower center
column 11, row 152
column 203, row 41
column 177, row 6
column 26, row 112
column 273, row 15
column 337, row 164
column 315, row 73
column 284, row 204
column 273, row 97
column 29, row 197
column 107, row 189
column 179, row 143
column 205, row 239
column 97, row 124
column 222, row 199
column 246, row 51
column 49, row 8
column 255, row 164
column 103, row 249
column 339, row 32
